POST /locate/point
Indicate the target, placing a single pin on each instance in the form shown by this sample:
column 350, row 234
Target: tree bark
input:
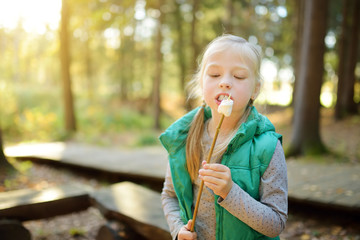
column 89, row 71
column 158, row 70
column 229, row 16
column 194, row 47
column 70, row 122
column 299, row 29
column 5, row 166
column 180, row 46
column 306, row 136
column 349, row 39
column 122, row 68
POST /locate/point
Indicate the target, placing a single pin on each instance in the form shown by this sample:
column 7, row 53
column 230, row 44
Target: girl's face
column 225, row 73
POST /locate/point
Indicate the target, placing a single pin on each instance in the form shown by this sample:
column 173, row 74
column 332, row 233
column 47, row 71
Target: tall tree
column 70, row 123
column 348, row 50
column 180, row 44
column 158, row 68
column 5, row 166
column 299, row 23
column 306, row 134
column 89, row 70
column 194, row 46
column 229, row 16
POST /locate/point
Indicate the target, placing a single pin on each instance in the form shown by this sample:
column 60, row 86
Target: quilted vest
column 248, row 156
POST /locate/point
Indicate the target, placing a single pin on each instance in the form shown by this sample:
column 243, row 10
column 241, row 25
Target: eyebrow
column 241, row 67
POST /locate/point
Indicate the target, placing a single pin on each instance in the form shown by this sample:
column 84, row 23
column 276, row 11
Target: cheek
column 206, row 87
column 206, row 92
column 208, row 95
column 244, row 93
column 250, row 88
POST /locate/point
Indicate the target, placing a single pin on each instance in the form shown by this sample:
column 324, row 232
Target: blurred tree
column 180, row 43
column 127, row 50
column 82, row 51
column 348, row 51
column 229, row 16
column 70, row 122
column 306, row 137
column 158, row 66
column 299, row 23
column 194, row 46
column 5, row 166
column 89, row 70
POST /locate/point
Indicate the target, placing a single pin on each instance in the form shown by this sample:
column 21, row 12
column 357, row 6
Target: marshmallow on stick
column 225, row 106
column 225, row 109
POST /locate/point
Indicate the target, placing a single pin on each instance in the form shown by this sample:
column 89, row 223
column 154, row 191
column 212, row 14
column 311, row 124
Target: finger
column 221, row 190
column 211, row 185
column 216, row 167
column 189, row 224
column 186, row 234
column 215, row 174
column 214, row 180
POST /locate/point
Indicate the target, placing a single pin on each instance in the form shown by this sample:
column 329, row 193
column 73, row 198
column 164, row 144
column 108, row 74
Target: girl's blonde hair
column 249, row 53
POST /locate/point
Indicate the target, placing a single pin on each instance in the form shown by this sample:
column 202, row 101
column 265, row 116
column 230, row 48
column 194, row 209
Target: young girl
column 246, row 182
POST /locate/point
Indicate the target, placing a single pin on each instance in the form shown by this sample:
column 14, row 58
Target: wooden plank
column 28, row 204
column 135, row 205
column 149, row 163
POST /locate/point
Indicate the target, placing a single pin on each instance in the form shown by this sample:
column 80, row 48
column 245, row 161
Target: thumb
column 189, row 224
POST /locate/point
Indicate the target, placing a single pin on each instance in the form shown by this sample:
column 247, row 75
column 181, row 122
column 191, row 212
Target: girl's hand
column 185, row 233
column 217, row 177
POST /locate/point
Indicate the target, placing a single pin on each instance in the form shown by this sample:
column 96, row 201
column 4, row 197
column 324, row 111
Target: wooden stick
column 202, row 182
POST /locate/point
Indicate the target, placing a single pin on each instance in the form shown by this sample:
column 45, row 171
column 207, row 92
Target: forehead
column 227, row 59
column 234, row 54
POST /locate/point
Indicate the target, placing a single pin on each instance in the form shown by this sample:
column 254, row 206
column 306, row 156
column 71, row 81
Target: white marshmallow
column 225, row 107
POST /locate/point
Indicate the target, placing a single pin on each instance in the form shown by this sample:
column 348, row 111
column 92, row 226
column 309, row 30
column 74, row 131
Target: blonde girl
column 246, row 182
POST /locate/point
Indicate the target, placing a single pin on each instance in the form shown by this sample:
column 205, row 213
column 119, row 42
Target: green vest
column 248, row 156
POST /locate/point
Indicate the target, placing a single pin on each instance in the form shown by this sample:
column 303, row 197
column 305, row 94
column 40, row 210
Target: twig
column 202, row 182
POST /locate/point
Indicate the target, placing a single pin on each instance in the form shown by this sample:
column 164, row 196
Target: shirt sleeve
column 268, row 215
column 170, row 205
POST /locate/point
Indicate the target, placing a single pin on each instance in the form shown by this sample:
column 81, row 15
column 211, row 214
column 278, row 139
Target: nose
column 225, row 83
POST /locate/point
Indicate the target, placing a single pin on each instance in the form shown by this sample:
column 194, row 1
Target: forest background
column 114, row 72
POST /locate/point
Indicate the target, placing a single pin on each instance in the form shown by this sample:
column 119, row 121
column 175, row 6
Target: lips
column 220, row 97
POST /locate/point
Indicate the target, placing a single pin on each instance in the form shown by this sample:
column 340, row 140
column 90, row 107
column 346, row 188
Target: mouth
column 221, row 97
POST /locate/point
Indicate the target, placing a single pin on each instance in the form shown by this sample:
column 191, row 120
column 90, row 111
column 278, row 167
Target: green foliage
column 76, row 232
column 21, row 166
column 36, row 114
column 113, row 64
column 147, row 139
column 32, row 114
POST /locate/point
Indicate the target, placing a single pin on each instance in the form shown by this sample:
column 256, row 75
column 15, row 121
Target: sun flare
column 35, row 16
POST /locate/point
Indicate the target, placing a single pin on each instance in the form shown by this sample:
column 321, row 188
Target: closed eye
column 214, row 75
column 239, row 77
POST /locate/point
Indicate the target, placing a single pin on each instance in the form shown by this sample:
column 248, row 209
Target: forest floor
column 343, row 138
column 85, row 224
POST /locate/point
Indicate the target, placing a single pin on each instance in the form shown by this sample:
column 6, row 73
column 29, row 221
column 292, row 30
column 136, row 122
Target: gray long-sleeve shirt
column 267, row 216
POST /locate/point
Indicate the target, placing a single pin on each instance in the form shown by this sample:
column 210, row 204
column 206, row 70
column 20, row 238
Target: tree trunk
column 180, row 46
column 158, row 70
column 345, row 103
column 70, row 123
column 89, row 71
column 229, row 16
column 122, row 68
column 194, row 47
column 299, row 5
column 306, row 137
column 5, row 166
